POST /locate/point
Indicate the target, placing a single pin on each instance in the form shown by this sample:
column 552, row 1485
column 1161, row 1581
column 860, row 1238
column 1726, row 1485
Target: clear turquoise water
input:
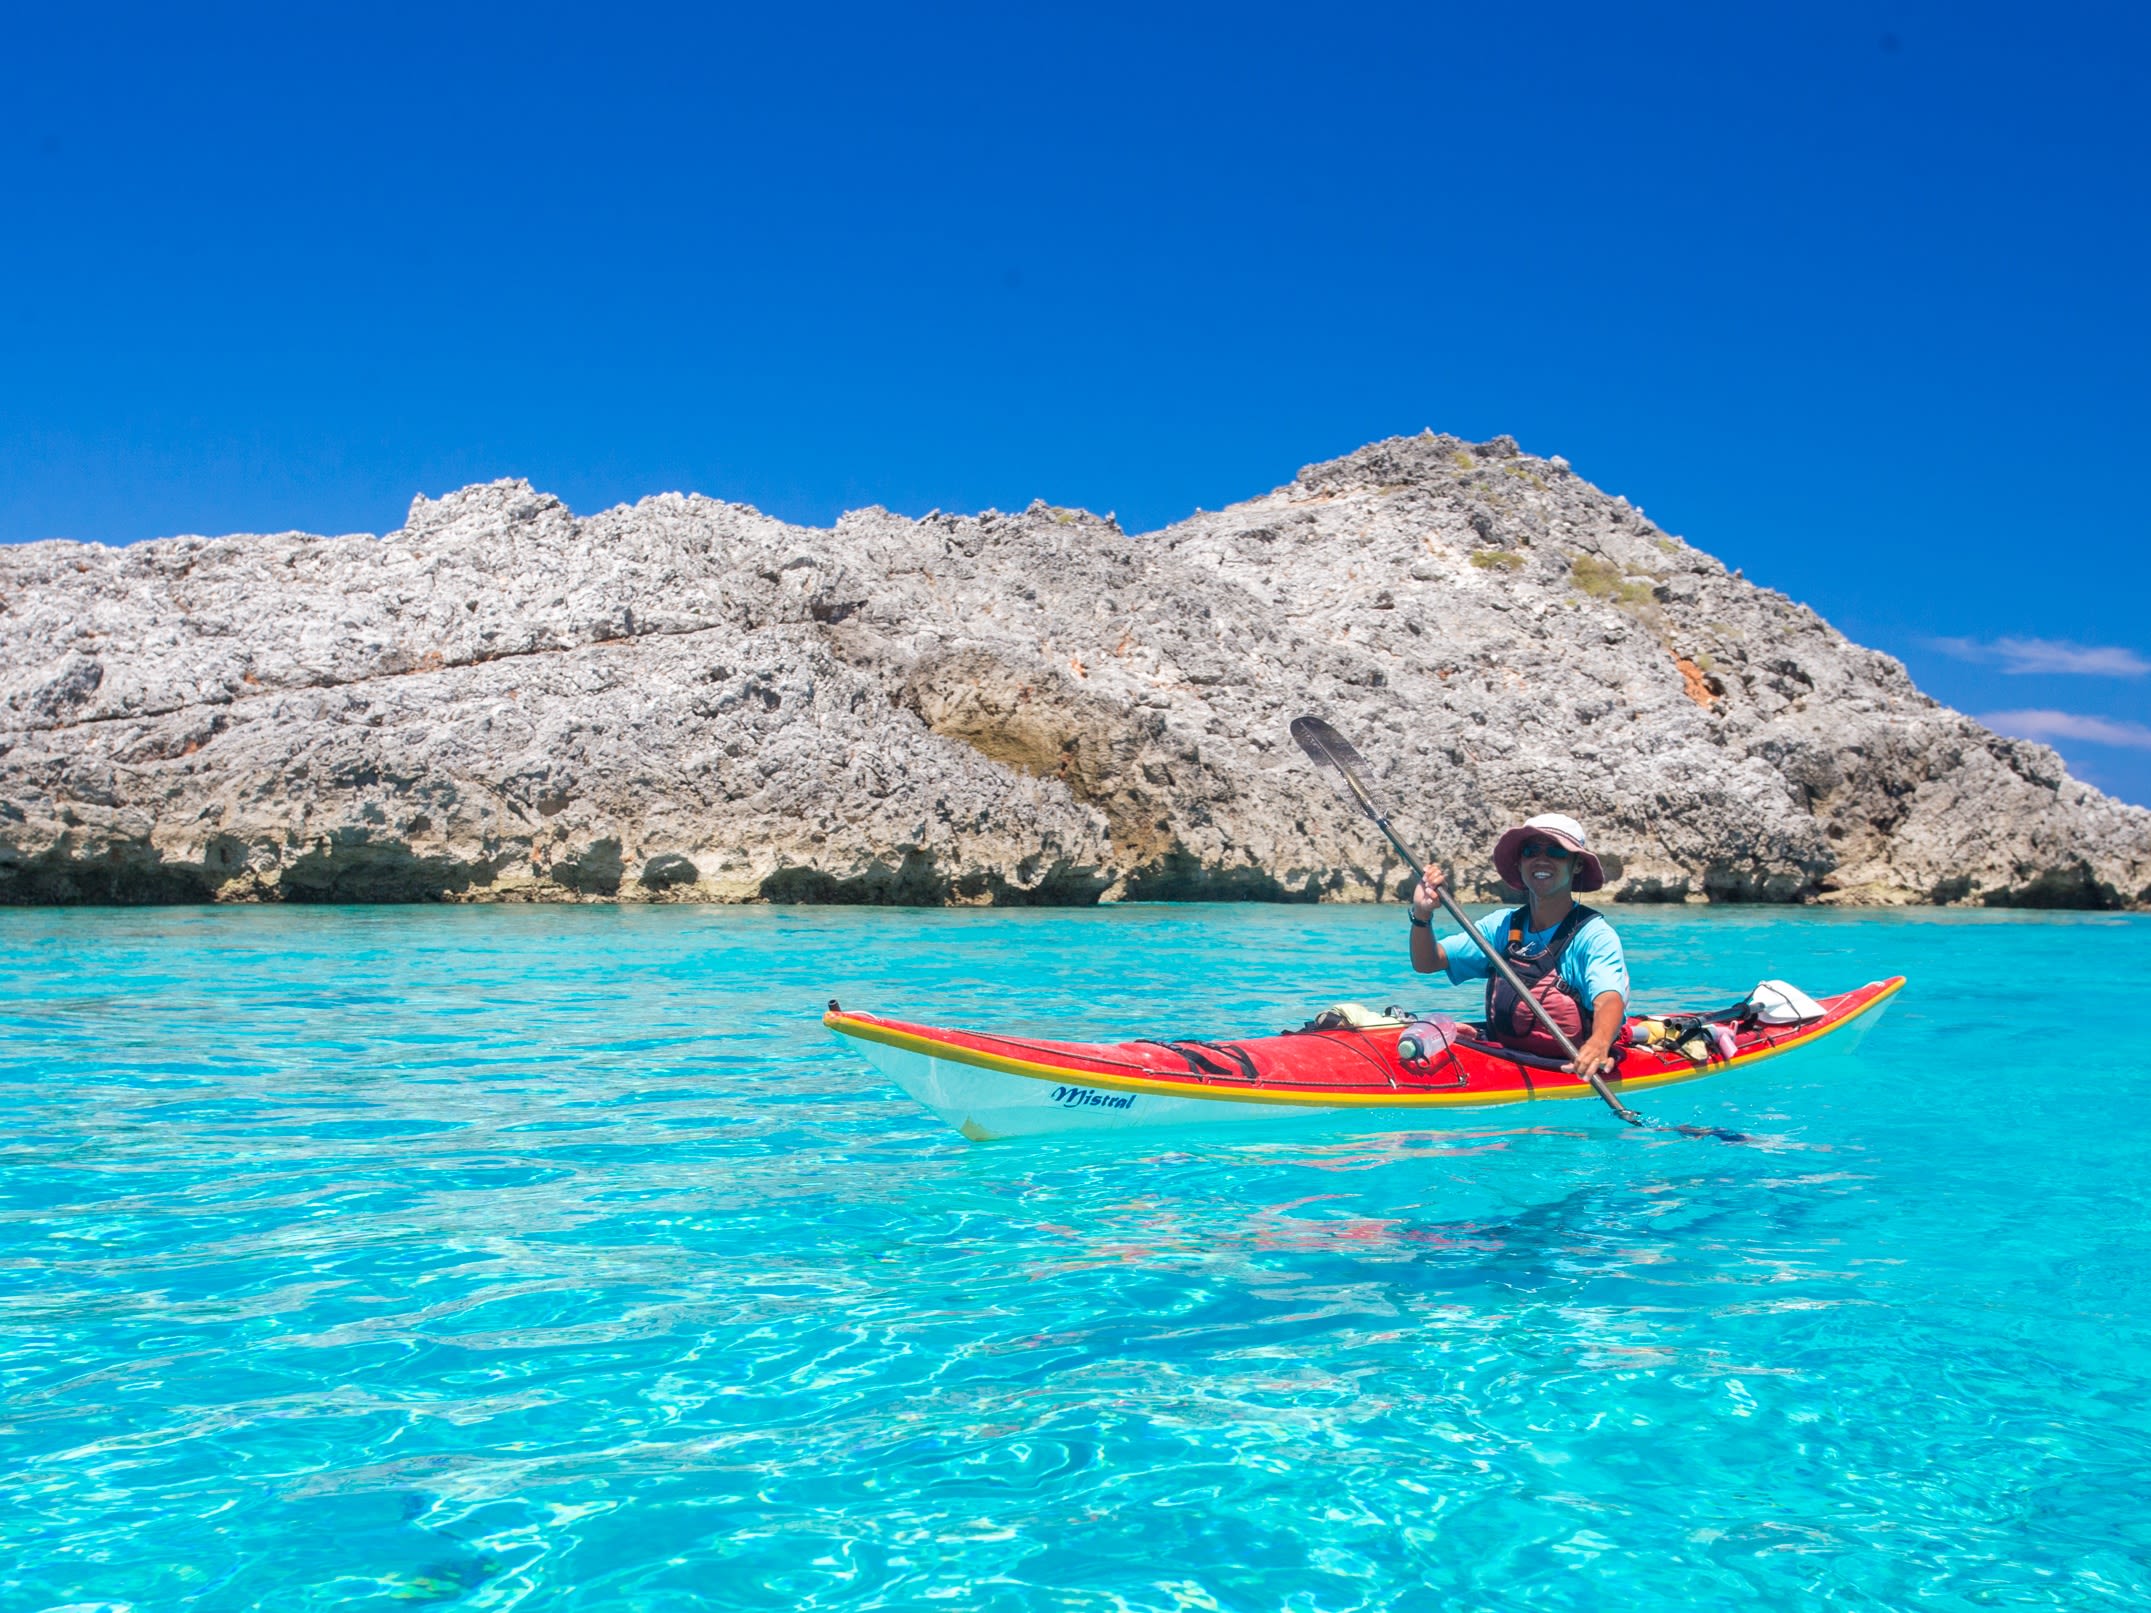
column 559, row 1259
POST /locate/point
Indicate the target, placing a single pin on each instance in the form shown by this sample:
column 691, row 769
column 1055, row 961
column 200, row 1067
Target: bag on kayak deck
column 1354, row 1016
column 1778, row 1002
column 1700, row 1040
column 1647, row 1033
column 1690, row 1035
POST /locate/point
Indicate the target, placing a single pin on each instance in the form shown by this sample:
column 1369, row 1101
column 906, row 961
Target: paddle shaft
column 1502, row 967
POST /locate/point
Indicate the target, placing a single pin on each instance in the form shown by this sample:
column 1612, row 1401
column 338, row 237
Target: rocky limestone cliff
column 688, row 700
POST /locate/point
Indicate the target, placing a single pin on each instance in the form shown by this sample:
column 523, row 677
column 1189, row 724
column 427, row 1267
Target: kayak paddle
column 1327, row 746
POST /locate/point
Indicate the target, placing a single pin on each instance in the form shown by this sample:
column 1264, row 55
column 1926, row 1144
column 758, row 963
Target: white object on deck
column 1357, row 1015
column 1779, row 1002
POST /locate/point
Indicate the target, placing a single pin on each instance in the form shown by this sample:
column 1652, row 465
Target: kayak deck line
column 960, row 1074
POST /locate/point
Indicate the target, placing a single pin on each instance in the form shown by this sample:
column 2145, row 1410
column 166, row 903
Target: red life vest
column 1508, row 1021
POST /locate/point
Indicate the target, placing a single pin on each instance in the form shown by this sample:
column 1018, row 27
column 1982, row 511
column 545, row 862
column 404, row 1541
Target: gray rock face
column 689, row 701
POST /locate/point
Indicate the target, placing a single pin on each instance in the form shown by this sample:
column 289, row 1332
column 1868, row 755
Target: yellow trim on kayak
column 1301, row 1097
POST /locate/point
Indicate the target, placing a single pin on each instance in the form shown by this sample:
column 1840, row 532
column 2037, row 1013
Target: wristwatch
column 1419, row 923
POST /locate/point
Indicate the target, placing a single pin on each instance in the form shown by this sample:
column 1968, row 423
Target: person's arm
column 1604, row 970
column 1427, row 954
column 1606, row 1016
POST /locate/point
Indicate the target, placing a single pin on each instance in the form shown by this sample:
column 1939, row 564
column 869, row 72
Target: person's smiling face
column 1548, row 868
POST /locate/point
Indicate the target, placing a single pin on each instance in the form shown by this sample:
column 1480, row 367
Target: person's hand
column 1428, row 896
column 1594, row 1058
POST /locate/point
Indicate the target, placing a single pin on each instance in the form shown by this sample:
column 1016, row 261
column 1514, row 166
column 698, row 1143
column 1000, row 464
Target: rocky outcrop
column 688, row 700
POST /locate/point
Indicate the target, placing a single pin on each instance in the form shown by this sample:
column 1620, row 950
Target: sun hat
column 1548, row 826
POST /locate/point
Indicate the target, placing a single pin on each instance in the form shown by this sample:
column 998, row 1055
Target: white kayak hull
column 986, row 1104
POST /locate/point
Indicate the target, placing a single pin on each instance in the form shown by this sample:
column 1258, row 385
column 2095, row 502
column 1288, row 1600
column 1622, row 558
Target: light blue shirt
column 1592, row 966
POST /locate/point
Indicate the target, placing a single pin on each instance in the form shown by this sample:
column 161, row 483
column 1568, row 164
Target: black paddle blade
column 1332, row 749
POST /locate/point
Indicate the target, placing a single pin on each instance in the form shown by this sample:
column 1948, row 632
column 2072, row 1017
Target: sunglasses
column 1542, row 848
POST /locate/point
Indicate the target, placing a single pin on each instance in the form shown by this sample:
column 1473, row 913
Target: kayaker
column 1566, row 953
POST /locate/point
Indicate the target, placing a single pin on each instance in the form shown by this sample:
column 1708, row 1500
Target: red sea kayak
column 989, row 1086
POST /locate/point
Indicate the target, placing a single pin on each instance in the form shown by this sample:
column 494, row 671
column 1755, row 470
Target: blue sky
column 1854, row 296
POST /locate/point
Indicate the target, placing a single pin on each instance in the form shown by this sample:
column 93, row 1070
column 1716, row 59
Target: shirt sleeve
column 1595, row 964
column 1467, row 960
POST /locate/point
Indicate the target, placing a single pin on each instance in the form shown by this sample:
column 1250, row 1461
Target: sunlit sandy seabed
column 558, row 1258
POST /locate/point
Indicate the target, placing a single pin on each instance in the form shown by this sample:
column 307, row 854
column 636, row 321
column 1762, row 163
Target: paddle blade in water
column 1332, row 749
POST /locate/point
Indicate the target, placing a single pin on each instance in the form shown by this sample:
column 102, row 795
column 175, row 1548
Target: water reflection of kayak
column 990, row 1086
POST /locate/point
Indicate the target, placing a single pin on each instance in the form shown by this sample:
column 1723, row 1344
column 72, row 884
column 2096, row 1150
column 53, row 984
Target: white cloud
column 2051, row 725
column 2048, row 655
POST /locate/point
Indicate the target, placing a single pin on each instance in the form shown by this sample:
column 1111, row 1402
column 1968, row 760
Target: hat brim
column 1590, row 873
